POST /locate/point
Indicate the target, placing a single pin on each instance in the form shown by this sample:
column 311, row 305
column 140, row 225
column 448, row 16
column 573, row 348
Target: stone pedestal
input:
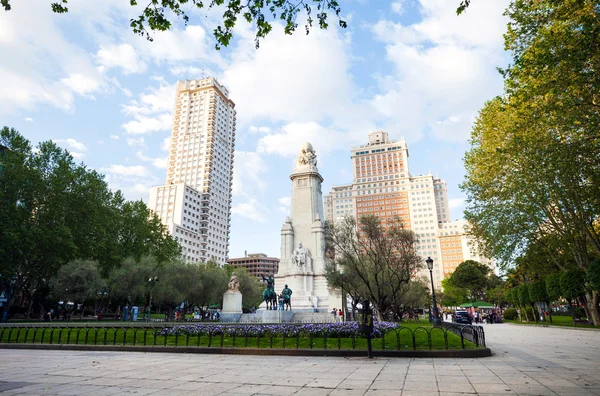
column 232, row 306
column 270, row 316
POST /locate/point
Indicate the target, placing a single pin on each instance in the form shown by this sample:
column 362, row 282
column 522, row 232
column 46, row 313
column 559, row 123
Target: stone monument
column 232, row 301
column 303, row 238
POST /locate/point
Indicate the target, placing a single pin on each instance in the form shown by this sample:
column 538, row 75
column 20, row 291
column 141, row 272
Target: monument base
column 232, row 302
column 270, row 316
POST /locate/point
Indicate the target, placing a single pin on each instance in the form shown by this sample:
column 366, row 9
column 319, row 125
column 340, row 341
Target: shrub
column 580, row 312
column 510, row 314
column 523, row 294
column 553, row 287
column 537, row 291
column 571, row 283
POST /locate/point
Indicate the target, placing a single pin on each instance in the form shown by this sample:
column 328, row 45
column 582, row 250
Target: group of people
column 485, row 317
column 338, row 315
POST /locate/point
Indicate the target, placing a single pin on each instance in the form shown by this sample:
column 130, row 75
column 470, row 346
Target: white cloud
column 114, row 137
column 134, row 181
column 290, row 78
column 259, row 130
column 164, row 146
column 152, row 111
column 444, row 68
column 284, row 206
column 160, row 163
column 123, row 56
column 124, row 170
column 398, row 7
column 44, row 67
column 131, row 142
column 143, row 125
column 28, row 119
column 285, row 201
column 251, row 210
column 248, row 174
column 191, row 72
column 456, row 203
column 288, row 140
column 75, row 147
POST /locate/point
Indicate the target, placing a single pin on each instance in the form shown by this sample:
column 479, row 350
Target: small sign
column 365, row 320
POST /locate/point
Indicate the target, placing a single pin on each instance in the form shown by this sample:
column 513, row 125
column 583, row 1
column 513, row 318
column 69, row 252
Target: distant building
column 257, row 264
column 383, row 186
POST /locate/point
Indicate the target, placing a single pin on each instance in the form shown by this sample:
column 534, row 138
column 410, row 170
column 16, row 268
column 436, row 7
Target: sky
column 409, row 67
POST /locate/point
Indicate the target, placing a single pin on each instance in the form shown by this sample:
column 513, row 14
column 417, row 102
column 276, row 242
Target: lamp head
column 429, row 262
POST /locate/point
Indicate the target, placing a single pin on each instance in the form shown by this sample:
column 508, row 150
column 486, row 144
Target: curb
column 460, row 353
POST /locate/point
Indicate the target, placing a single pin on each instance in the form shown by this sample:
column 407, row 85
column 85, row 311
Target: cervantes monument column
column 303, row 239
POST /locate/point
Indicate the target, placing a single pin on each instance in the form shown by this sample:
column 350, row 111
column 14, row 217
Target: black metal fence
column 449, row 336
column 474, row 334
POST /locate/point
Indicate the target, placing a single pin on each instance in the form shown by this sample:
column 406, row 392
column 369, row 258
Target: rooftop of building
column 255, row 256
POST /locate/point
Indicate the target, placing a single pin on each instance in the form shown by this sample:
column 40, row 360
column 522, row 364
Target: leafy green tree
column 78, row 281
column 453, row 296
column 523, row 184
column 214, row 280
column 54, row 211
column 571, row 283
column 553, row 289
column 473, row 276
column 128, row 283
column 593, row 275
column 524, row 300
column 175, row 282
column 383, row 258
column 537, row 294
column 348, row 282
column 496, row 296
column 158, row 15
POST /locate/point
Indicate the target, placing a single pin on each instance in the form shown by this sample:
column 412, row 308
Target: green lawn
column 139, row 336
column 557, row 321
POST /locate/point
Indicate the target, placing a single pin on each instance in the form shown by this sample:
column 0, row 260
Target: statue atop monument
column 300, row 254
column 234, row 283
column 307, row 156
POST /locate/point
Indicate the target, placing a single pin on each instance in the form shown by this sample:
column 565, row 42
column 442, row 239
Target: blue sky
column 412, row 68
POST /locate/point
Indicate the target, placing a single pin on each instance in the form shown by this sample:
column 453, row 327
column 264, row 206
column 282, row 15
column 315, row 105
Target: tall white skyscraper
column 195, row 202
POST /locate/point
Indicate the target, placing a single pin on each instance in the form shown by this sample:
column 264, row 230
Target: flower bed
column 344, row 330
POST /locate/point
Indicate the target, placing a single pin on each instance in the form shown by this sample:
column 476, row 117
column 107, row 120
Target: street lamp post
column 436, row 316
column 152, row 280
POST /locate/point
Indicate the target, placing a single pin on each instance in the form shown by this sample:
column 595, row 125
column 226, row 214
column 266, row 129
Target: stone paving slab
column 527, row 361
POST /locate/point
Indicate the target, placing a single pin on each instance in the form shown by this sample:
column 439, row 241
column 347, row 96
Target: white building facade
column 195, row 202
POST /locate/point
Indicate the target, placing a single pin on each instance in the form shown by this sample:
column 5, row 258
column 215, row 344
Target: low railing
column 474, row 334
column 447, row 337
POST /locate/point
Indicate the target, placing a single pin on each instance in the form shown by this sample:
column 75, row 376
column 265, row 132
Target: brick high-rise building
column 195, row 202
column 384, row 187
column 257, row 264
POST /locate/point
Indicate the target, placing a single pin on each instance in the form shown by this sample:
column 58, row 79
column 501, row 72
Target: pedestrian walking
column 341, row 315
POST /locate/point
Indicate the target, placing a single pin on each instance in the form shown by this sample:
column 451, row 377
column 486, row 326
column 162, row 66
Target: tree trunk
column 29, row 307
column 535, row 317
column 591, row 308
column 82, row 312
column 571, row 310
column 550, row 311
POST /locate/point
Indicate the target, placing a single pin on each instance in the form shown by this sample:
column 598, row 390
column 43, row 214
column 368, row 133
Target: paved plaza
column 528, row 361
